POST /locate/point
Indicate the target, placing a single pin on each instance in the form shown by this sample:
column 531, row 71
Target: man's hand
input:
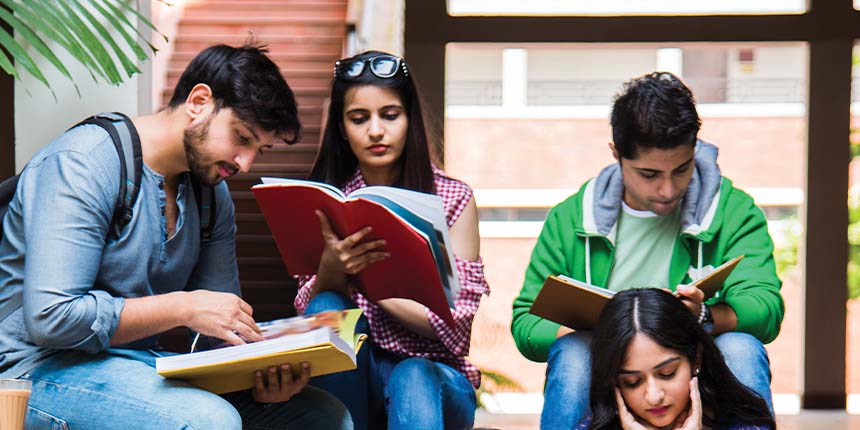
column 692, row 297
column 279, row 385
column 222, row 315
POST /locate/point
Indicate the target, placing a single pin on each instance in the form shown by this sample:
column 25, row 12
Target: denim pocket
column 40, row 420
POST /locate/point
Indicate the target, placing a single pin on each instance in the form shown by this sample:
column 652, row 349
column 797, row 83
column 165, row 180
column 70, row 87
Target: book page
column 712, row 282
column 301, row 324
column 327, row 188
column 240, row 352
column 594, row 288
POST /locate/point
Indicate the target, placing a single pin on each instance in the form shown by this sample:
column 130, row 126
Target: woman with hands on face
column 654, row 367
column 412, row 372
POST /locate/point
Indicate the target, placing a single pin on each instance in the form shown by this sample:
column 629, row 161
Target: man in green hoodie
column 661, row 217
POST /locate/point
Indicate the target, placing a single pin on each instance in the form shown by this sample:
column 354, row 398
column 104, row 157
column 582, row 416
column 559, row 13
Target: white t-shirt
column 643, row 249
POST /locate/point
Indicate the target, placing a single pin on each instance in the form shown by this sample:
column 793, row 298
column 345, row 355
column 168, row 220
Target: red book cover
column 409, row 273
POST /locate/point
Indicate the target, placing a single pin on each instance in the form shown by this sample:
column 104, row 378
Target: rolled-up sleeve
column 67, row 201
column 303, row 295
column 473, row 285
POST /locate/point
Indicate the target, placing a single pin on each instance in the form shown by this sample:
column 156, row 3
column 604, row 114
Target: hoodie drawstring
column 699, row 269
column 588, row 261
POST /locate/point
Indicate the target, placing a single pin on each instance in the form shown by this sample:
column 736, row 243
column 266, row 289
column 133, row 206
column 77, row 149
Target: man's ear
column 614, row 151
column 199, row 102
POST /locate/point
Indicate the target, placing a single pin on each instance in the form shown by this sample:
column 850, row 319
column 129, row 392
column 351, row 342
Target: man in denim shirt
column 80, row 309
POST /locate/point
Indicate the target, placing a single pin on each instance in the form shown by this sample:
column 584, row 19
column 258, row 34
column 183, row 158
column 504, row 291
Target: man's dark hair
column 654, row 111
column 245, row 80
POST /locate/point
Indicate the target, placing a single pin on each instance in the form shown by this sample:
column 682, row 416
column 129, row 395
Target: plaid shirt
column 388, row 334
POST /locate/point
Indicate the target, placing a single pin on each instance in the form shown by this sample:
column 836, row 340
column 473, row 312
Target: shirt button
column 162, row 211
column 161, row 185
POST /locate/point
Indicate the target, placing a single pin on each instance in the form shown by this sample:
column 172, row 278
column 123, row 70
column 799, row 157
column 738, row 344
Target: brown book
column 577, row 305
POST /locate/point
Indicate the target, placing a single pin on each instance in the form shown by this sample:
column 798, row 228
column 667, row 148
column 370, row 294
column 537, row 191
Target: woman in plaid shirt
column 412, row 373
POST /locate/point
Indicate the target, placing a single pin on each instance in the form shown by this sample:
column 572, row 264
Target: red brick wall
column 563, row 153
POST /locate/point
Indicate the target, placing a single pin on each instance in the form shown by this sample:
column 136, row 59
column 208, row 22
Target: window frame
column 829, row 28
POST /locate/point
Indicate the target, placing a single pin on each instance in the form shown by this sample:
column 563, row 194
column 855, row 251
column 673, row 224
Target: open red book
column 413, row 225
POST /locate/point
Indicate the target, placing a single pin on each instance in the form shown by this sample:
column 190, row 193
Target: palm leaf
column 143, row 19
column 20, row 54
column 122, row 16
column 36, row 42
column 88, row 30
column 127, row 64
column 108, row 9
column 43, row 20
column 6, row 65
column 88, row 39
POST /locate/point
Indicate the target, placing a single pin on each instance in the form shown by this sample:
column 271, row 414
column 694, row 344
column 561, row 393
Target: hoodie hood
column 602, row 196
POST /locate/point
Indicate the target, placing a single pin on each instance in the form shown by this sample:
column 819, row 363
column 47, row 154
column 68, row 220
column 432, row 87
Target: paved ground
column 806, row 420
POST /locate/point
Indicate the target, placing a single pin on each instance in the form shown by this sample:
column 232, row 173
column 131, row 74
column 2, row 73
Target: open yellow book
column 327, row 341
column 577, row 305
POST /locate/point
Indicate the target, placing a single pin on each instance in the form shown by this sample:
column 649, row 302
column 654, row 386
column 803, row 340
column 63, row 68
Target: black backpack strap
column 127, row 144
column 7, row 192
column 204, row 194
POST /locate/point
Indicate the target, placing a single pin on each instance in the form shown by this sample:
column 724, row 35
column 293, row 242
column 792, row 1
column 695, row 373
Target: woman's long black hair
column 665, row 320
column 335, row 162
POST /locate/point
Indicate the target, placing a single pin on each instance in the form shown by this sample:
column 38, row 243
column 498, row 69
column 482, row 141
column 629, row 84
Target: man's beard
column 193, row 141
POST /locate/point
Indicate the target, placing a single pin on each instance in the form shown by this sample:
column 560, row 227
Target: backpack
column 127, row 143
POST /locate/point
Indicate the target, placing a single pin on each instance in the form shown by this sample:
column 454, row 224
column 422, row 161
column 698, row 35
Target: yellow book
column 327, row 341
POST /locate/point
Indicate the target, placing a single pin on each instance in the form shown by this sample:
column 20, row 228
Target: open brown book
column 577, row 305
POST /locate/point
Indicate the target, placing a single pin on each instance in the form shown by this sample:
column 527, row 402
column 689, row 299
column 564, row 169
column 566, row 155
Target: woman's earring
column 696, row 373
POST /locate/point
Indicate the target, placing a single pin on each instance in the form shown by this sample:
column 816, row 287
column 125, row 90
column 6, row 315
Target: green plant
column 854, row 242
column 785, row 254
column 492, row 382
column 88, row 30
column 854, row 219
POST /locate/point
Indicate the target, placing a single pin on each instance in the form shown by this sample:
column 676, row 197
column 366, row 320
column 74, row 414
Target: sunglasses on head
column 382, row 66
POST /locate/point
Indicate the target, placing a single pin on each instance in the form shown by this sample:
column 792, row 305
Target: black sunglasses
column 382, row 66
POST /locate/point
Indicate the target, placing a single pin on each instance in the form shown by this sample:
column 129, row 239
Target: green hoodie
column 719, row 222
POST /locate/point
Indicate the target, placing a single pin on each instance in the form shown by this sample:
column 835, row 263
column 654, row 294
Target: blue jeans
column 410, row 393
column 119, row 388
column 569, row 374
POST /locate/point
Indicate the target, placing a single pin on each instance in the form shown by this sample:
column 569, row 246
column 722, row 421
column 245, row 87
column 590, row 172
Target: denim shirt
column 64, row 281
